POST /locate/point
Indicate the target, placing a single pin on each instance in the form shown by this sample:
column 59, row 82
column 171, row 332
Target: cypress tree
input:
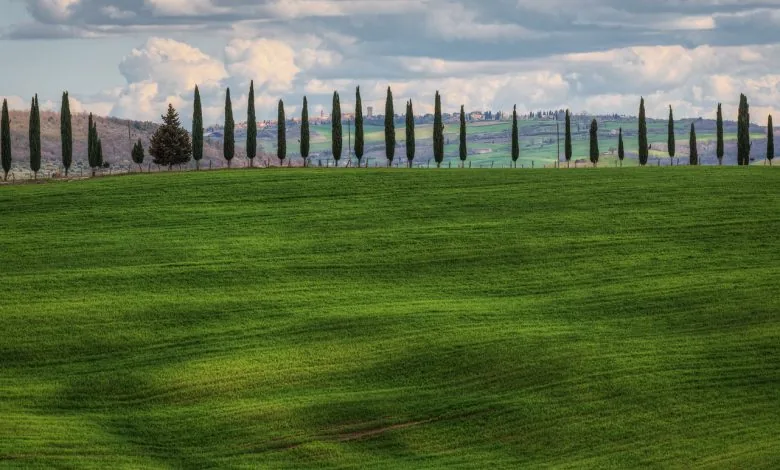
column 281, row 135
column 567, row 139
column 92, row 144
column 515, row 138
column 643, row 146
column 5, row 140
column 694, row 159
column 743, row 132
column 770, row 141
column 197, row 130
column 35, row 137
column 229, row 142
column 621, row 148
column 438, row 132
column 66, row 133
column 138, row 154
column 170, row 145
column 671, row 142
column 720, row 150
column 305, row 131
column 251, row 126
column 389, row 128
column 410, row 139
column 594, row 142
column 359, row 137
column 463, row 151
column 336, row 132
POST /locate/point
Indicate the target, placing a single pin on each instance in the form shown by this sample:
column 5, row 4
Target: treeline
column 172, row 145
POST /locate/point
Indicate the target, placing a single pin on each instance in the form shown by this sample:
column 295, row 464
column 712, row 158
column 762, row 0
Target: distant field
column 296, row 318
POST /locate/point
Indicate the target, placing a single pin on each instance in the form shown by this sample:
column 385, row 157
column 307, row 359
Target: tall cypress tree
column 389, row 128
column 410, row 139
column 66, row 133
column 643, row 146
column 337, row 140
column 567, row 139
column 251, row 126
column 35, row 137
column 438, row 132
column 305, row 131
column 463, row 151
column 91, row 144
column 5, row 140
column 743, row 132
column 694, row 149
column 594, row 142
column 359, row 144
column 621, row 148
column 720, row 147
column 515, row 138
column 229, row 142
column 670, row 141
column 281, row 135
column 770, row 141
column 197, row 130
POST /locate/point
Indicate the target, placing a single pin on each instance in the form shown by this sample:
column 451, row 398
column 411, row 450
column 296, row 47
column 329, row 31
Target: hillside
column 392, row 319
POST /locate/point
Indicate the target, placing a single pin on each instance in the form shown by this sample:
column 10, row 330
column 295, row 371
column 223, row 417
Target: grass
column 392, row 318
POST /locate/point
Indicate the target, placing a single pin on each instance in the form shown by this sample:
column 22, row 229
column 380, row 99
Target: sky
column 130, row 58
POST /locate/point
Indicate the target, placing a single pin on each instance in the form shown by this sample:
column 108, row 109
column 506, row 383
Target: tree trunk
column 93, row 172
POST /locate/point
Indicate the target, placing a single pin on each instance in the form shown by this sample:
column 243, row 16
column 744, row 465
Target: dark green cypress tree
column 720, row 147
column 567, row 139
column 197, row 130
column 621, row 147
column 410, row 139
column 743, row 132
column 66, row 133
column 336, row 140
column 251, row 126
column 5, row 140
column 305, row 131
column 229, row 142
column 438, row 132
column 694, row 150
column 515, row 138
column 670, row 142
column 770, row 141
column 281, row 135
column 643, row 150
column 35, row 137
column 594, row 142
column 138, row 154
column 359, row 133
column 462, row 150
column 389, row 128
column 91, row 143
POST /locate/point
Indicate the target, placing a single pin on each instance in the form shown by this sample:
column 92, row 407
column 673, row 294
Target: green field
column 298, row 318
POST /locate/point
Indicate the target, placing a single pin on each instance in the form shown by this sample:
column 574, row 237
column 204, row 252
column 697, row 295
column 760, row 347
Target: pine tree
column 410, row 138
column 643, row 146
column 438, row 132
column 337, row 139
column 594, row 142
column 621, row 148
column 170, row 145
column 5, row 140
column 281, row 135
column 197, row 130
column 670, row 137
column 229, row 142
column 515, row 138
column 770, row 141
column 35, row 137
column 463, row 151
column 567, row 139
column 66, row 133
column 389, row 128
column 305, row 131
column 720, row 147
column 138, row 154
column 743, row 132
column 694, row 150
column 251, row 126
column 359, row 133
